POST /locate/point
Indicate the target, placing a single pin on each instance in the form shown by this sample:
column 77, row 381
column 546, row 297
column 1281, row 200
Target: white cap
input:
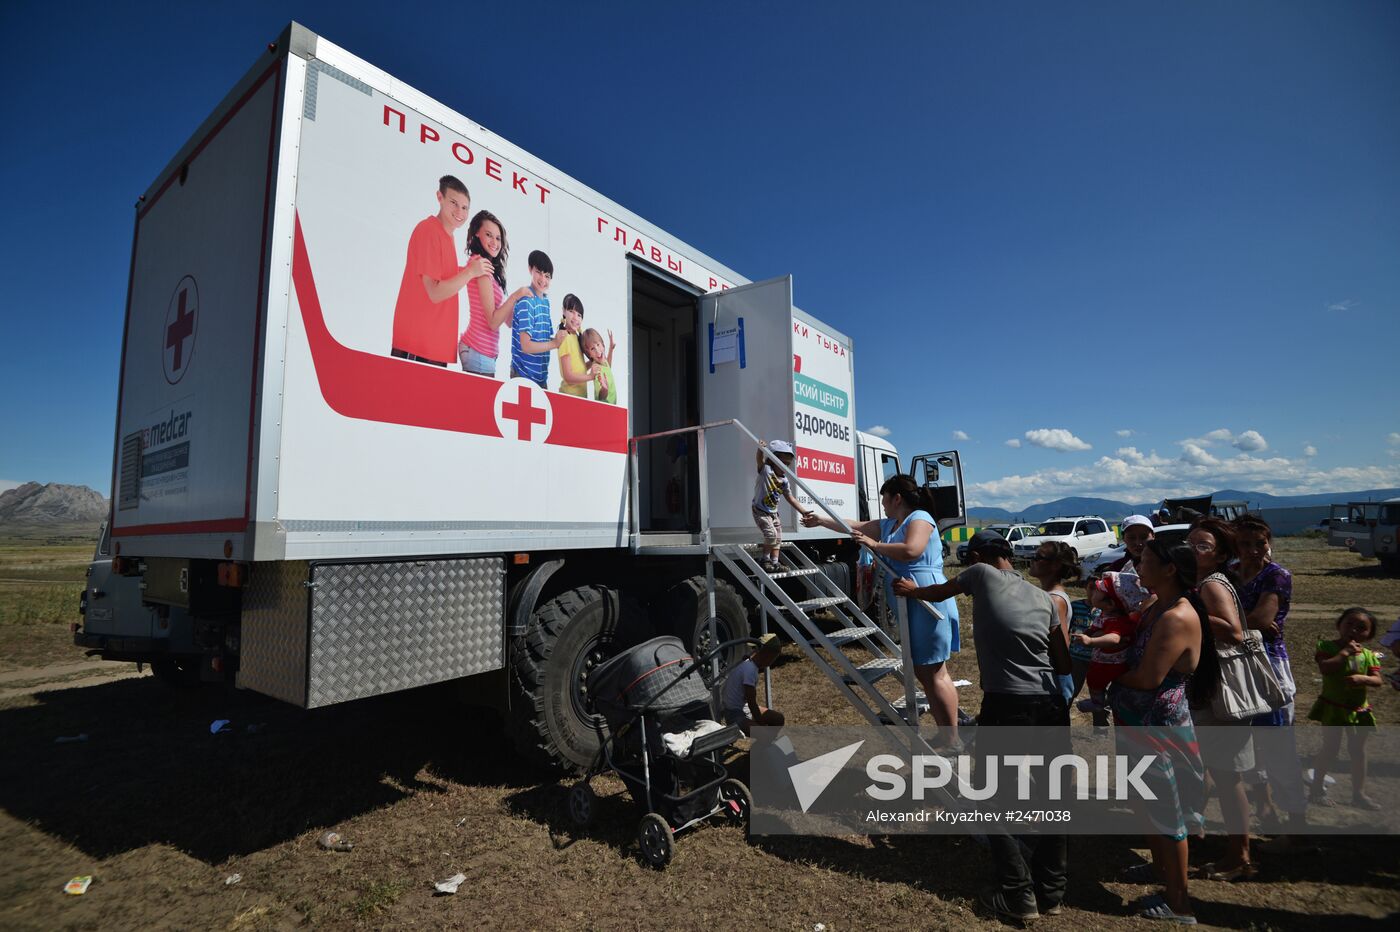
column 779, row 446
column 1132, row 520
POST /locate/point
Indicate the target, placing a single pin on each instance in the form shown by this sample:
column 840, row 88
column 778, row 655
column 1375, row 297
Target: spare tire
column 551, row 719
column 688, row 613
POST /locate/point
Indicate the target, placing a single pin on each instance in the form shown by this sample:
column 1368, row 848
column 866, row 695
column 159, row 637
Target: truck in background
column 1371, row 529
column 306, row 515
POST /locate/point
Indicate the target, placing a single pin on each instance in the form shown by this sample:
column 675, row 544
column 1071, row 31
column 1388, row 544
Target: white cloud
column 1251, row 441
column 960, row 435
column 1197, row 456
column 1125, row 433
column 1393, row 440
column 1346, row 305
column 1056, row 438
column 879, row 430
column 1133, row 476
column 1014, row 444
column 1309, row 450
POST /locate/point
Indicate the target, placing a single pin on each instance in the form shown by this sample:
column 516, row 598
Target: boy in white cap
column 769, row 488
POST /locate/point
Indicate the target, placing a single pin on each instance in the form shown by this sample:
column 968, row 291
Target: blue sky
column 1102, row 248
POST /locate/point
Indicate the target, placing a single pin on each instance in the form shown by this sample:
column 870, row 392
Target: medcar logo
column 178, row 335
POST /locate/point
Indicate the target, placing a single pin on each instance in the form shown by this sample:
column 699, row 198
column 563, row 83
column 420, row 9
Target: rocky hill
column 51, row 503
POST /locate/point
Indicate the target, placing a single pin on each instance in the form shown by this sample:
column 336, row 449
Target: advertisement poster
column 459, row 319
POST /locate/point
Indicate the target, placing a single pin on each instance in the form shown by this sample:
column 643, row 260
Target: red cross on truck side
column 524, row 413
column 179, row 331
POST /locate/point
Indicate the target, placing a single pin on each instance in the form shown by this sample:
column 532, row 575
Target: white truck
column 312, row 516
column 1371, row 529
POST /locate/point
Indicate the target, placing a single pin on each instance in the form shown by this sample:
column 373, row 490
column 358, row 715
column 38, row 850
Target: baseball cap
column 989, row 540
column 1134, row 520
column 779, row 446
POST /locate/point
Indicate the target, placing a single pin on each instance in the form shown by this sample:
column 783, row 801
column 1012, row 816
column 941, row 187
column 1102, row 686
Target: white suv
column 1086, row 534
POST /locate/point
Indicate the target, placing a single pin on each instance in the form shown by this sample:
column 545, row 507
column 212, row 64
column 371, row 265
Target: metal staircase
column 853, row 678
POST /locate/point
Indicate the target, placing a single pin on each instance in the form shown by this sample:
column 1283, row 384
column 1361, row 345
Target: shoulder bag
column 1248, row 686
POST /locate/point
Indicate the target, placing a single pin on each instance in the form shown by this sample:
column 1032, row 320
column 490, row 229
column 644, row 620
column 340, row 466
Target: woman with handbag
column 1223, row 724
column 1266, row 591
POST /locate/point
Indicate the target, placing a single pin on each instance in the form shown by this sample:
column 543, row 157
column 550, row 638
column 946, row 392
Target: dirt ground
column 162, row 813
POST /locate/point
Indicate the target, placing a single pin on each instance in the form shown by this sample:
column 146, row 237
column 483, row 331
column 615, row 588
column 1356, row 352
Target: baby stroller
column 661, row 744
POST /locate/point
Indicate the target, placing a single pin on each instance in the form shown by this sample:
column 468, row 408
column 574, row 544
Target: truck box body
column 261, row 416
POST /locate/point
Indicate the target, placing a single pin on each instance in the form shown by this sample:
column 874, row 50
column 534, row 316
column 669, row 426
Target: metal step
column 825, row 602
column 919, row 699
column 751, row 548
column 847, row 635
column 785, row 574
column 873, row 670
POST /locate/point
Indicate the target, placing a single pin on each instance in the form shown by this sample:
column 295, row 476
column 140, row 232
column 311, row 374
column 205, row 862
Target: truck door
column 745, row 364
column 941, row 474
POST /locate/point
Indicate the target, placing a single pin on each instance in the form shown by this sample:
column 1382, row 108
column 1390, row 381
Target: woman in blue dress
column 908, row 539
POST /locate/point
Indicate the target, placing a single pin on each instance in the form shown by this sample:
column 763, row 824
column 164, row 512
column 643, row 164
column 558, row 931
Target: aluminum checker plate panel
column 379, row 628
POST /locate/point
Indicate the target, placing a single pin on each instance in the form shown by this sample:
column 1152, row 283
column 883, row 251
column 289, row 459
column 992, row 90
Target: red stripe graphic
column 371, row 387
column 829, row 467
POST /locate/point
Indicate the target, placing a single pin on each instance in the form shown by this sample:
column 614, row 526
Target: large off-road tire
column 687, row 608
column 1390, row 562
column 551, row 720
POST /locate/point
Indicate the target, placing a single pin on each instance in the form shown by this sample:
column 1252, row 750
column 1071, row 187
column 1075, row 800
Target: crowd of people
column 1156, row 646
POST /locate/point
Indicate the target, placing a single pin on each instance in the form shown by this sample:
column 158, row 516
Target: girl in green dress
column 1348, row 669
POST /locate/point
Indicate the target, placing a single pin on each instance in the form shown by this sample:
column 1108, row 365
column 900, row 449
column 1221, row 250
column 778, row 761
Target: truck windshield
column 1056, row 529
column 1000, row 529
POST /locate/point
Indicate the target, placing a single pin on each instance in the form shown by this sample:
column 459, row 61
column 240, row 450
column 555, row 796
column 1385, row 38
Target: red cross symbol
column 524, row 413
column 179, row 331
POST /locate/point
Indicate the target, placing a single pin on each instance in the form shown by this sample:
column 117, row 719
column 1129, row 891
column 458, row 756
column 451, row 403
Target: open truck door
column 941, row 474
column 745, row 344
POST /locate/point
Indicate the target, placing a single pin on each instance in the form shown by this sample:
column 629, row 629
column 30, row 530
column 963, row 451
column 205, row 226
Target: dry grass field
column 161, row 812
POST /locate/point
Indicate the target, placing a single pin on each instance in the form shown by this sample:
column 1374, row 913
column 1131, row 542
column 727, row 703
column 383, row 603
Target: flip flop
column 1157, row 908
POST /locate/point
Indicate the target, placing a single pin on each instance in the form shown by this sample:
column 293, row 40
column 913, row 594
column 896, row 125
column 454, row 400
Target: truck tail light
column 120, row 565
column 233, row 575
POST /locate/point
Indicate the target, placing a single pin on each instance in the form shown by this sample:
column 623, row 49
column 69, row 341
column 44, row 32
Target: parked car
column 1085, row 533
column 1014, row 533
column 1093, row 564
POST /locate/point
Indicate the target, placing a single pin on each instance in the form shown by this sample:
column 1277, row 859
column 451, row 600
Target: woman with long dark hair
column 908, row 538
column 1266, row 592
column 480, row 342
column 1227, row 745
column 1172, row 664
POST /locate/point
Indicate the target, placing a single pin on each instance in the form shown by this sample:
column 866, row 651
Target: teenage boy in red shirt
column 425, row 315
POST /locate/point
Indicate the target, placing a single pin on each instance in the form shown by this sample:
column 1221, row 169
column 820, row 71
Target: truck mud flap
column 315, row 634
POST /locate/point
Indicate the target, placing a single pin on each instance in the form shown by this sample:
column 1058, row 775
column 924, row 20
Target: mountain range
column 1114, row 510
column 51, row 503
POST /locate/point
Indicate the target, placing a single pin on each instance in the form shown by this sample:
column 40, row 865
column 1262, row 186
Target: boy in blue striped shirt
column 532, row 333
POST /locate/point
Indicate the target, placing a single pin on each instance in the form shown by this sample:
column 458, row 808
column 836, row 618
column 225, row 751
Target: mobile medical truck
column 311, row 516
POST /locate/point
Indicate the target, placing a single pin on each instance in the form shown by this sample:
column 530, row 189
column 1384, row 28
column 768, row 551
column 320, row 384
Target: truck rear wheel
column 551, row 719
column 688, row 610
column 1390, row 562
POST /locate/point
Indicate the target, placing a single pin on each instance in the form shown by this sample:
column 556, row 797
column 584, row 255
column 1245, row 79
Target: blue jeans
column 473, row 361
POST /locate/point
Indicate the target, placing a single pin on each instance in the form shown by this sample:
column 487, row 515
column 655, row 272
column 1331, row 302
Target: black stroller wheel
column 736, row 801
column 582, row 805
column 657, row 841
